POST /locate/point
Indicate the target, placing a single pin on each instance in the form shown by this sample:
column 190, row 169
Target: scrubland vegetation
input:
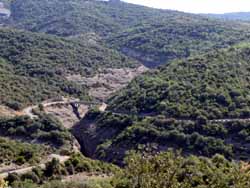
column 34, row 67
column 46, row 129
column 197, row 101
column 54, row 171
column 152, row 36
column 214, row 86
column 168, row 170
column 20, row 153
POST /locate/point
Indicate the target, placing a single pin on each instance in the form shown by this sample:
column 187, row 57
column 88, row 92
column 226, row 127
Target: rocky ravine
column 89, row 136
column 94, row 137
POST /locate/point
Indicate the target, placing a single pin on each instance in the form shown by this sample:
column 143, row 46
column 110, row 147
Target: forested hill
column 33, row 67
column 67, row 18
column 178, row 36
column 215, row 85
column 152, row 36
column 199, row 105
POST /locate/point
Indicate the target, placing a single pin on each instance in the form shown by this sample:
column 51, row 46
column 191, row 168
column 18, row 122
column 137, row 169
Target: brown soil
column 64, row 113
column 7, row 112
column 83, row 177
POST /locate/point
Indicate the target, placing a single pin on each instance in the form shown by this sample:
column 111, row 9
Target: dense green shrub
column 174, row 171
column 34, row 67
column 210, row 86
column 45, row 129
column 155, row 37
column 114, row 139
column 20, row 153
column 54, row 170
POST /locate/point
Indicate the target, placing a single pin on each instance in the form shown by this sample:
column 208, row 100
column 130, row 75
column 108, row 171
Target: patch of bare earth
column 65, row 114
column 83, row 177
column 107, row 81
column 7, row 112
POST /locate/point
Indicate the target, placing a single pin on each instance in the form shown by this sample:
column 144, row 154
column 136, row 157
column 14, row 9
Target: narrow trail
column 20, row 171
column 29, row 110
column 103, row 106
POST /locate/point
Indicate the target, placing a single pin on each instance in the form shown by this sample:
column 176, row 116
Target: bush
column 13, row 177
column 171, row 170
column 31, row 176
column 20, row 160
column 84, row 167
column 46, row 129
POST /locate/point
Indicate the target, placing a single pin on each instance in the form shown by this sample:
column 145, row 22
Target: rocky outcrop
column 107, row 81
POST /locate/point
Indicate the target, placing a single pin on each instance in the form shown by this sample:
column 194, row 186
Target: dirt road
column 29, row 110
column 61, row 158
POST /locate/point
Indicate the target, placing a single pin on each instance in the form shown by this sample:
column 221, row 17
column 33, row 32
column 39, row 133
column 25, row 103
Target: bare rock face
column 149, row 60
column 89, row 136
column 107, row 81
column 66, row 114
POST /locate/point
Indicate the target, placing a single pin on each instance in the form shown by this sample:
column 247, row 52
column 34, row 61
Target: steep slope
column 67, row 18
column 34, row 67
column 110, row 136
column 178, row 35
column 199, row 105
column 215, row 85
column 152, row 36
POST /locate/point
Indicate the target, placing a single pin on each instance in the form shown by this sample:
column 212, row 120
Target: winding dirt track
column 29, row 110
column 103, row 106
column 61, row 158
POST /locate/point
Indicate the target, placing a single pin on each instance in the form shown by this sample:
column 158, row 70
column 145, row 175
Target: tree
column 53, row 168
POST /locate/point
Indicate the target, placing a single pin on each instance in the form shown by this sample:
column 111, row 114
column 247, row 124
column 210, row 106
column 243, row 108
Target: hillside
column 199, row 105
column 35, row 67
column 176, row 36
column 155, row 37
column 243, row 16
column 214, row 85
column 175, row 171
column 110, row 136
column 69, row 18
column 78, row 97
